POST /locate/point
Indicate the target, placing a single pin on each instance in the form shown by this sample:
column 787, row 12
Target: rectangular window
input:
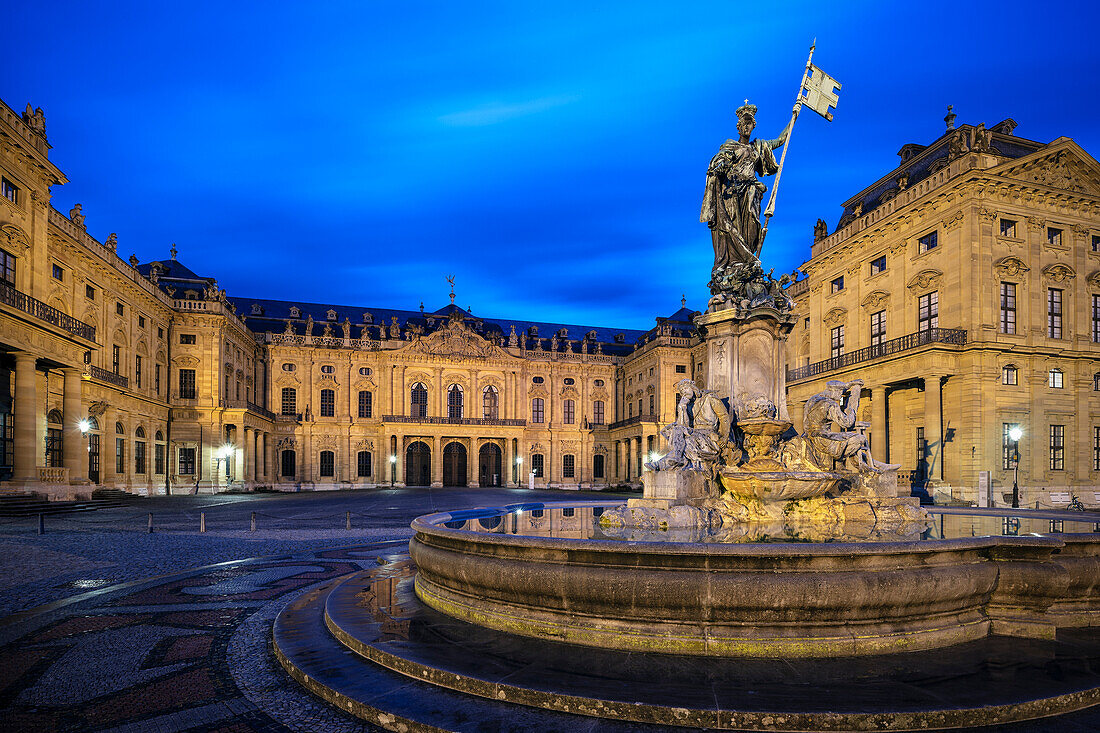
column 187, row 461
column 287, row 461
column 536, row 410
column 536, row 464
column 1008, row 228
column 328, row 403
column 364, row 462
column 1054, row 313
column 1008, row 307
column 837, row 342
column 9, row 190
column 568, row 414
column 328, row 463
column 156, row 379
column 928, row 242
column 1009, row 375
column 878, row 265
column 116, row 359
column 54, row 448
column 187, row 384
column 120, row 309
column 365, row 403
column 89, row 292
column 630, row 408
column 137, row 370
column 1054, row 379
column 1096, row 242
column 141, row 321
column 160, row 332
column 597, row 412
column 187, row 338
column 567, row 466
column 1096, row 449
column 158, row 458
column 1057, row 447
column 120, row 456
column 837, row 284
column 597, row 466
column 681, row 369
column 58, row 273
column 878, row 328
column 1008, row 449
column 139, row 457
column 928, row 311
column 1096, row 319
column 652, row 411
column 7, row 267
column 1054, row 236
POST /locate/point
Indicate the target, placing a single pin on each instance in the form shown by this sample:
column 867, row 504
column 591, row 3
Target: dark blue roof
column 171, row 269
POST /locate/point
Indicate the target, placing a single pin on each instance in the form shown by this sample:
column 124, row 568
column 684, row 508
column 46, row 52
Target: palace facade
column 963, row 287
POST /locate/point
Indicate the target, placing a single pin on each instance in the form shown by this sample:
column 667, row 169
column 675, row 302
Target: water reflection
column 583, row 522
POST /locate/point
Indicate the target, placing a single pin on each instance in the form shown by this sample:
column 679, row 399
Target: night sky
column 553, row 160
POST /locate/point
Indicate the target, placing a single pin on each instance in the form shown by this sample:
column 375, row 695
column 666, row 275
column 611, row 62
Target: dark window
column 928, row 311
column 652, row 411
column 137, row 370
column 7, row 267
column 120, row 309
column 568, row 469
column 537, row 380
column 1096, row 319
column 289, row 401
column 9, row 190
column 1096, row 382
column 1054, row 379
column 1054, row 313
column 836, row 340
column 1009, row 375
column 141, row 321
column 1008, row 228
column 58, row 272
column 597, row 466
column 1008, row 308
column 1096, row 449
column 878, row 328
column 598, row 383
column 328, row 369
column 837, row 284
column 139, row 457
column 454, row 402
column 89, row 292
column 328, row 403
column 419, row 400
column 1054, row 236
column 54, row 448
column 928, row 241
column 570, row 380
column 366, row 400
column 489, row 403
column 536, row 410
column 187, row 461
column 160, row 332
column 1096, row 242
column 681, row 368
column 116, row 359
column 120, row 456
column 287, row 462
column 1057, row 447
column 536, row 464
column 328, row 463
column 1008, row 449
column 156, row 379
column 187, row 338
column 568, row 412
column 878, row 265
column 597, row 412
column 158, row 458
column 364, row 463
column 568, row 511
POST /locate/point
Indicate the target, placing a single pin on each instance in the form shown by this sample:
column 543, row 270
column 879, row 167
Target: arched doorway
column 418, row 465
column 489, row 465
column 454, row 465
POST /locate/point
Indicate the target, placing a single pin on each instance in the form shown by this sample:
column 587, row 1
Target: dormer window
column 295, row 312
column 368, row 318
column 330, row 315
column 257, row 309
column 620, row 338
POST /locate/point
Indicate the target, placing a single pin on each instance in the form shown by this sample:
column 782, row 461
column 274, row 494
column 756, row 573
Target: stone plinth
column 670, row 500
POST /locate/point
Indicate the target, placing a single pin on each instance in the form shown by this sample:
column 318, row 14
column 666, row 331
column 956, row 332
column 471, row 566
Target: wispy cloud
column 494, row 113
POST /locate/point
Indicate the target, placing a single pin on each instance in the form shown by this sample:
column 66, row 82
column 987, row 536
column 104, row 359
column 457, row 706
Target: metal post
column 202, row 521
column 347, row 523
column 150, row 523
column 1016, row 474
column 41, row 524
column 252, row 524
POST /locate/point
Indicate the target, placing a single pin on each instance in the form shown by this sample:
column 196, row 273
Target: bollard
column 347, row 524
column 202, row 521
column 150, row 523
column 41, row 524
column 252, row 526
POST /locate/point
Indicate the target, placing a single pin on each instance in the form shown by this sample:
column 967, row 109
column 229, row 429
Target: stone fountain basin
column 773, row 486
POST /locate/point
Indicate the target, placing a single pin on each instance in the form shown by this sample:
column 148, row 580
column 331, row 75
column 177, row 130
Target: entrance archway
column 489, row 465
column 454, row 464
column 418, row 464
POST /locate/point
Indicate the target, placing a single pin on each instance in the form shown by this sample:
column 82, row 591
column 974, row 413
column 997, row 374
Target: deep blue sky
column 552, row 159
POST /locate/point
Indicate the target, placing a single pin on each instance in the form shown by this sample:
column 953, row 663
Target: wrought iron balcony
column 291, row 417
column 253, row 407
column 105, row 375
column 953, row 336
column 10, row 296
column 435, row 420
column 632, row 421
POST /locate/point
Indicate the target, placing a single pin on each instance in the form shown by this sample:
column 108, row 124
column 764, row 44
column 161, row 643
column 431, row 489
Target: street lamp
column 224, row 453
column 518, row 470
column 393, row 470
column 1015, row 434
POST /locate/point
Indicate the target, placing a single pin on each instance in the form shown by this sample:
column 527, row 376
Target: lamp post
column 224, row 453
column 393, row 470
column 1015, row 434
column 518, row 470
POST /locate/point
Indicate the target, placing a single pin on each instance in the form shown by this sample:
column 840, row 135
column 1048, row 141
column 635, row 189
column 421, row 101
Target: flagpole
column 769, row 211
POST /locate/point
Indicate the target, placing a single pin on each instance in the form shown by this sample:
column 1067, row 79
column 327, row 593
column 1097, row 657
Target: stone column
column 472, row 466
column 273, row 467
column 437, row 462
column 933, row 426
column 248, row 448
column 26, row 406
column 880, row 437
column 75, row 448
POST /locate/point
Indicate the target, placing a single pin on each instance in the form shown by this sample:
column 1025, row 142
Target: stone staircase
column 30, row 504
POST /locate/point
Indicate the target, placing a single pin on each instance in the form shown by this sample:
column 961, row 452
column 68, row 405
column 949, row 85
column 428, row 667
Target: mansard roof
column 171, row 270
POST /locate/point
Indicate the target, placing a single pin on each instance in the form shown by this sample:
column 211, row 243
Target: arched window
column 159, row 436
column 454, row 402
column 489, row 403
column 537, row 410
column 158, row 453
column 54, row 417
column 93, row 424
column 365, row 403
column 419, row 399
column 287, row 462
column 119, row 429
column 290, row 401
column 139, row 451
column 1009, row 374
column 328, row 463
column 140, row 432
column 328, row 403
column 55, row 450
column 568, row 412
column 1054, row 378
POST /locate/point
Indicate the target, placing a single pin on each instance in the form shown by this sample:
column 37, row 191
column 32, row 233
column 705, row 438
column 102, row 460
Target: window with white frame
column 1057, row 447
column 1008, row 307
column 878, row 328
column 1009, row 375
column 1054, row 378
column 1054, row 313
column 928, row 311
column 836, row 341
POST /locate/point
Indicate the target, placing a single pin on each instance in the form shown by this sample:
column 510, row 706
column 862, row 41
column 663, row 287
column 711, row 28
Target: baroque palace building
column 963, row 287
column 149, row 378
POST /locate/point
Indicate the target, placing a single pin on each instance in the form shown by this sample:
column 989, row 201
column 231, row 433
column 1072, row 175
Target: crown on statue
column 747, row 110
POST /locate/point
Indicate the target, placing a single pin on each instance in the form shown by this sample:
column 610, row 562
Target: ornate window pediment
column 1059, row 272
column 836, row 316
column 925, row 280
column 11, row 236
column 1094, row 280
column 1011, row 267
column 876, row 300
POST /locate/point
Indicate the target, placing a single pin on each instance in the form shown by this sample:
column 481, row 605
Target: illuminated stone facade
column 964, row 288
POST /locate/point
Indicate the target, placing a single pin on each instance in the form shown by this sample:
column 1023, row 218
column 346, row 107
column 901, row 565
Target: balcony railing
column 105, row 375
column 954, row 336
column 10, row 296
column 632, row 421
column 253, row 407
column 292, row 417
column 435, row 420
